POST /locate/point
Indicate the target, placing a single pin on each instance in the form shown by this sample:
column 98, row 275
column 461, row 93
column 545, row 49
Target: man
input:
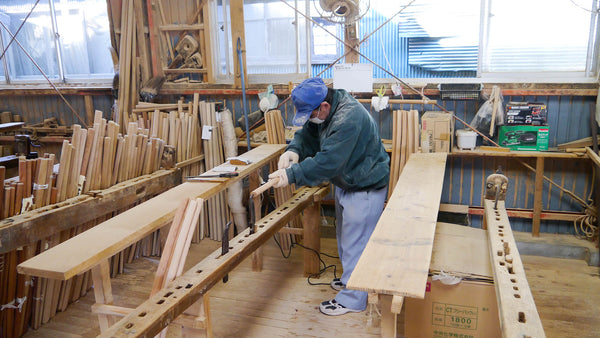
column 339, row 143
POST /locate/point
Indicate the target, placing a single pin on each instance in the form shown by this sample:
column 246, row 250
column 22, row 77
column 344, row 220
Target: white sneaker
column 337, row 284
column 333, row 308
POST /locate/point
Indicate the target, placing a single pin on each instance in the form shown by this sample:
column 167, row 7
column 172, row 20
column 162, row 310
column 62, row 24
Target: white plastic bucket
column 466, row 139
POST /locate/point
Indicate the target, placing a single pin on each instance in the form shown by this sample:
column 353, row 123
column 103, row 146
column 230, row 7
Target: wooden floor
column 278, row 302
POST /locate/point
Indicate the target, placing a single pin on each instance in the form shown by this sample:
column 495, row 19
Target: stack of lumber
column 95, row 158
column 212, row 137
column 179, row 126
column 128, row 74
column 405, row 141
column 276, row 135
column 104, row 157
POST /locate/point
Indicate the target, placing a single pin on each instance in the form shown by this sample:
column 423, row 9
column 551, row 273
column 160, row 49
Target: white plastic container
column 466, row 139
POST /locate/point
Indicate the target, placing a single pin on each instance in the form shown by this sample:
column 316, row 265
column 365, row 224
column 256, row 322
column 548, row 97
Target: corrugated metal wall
column 390, row 51
column 35, row 109
column 568, row 120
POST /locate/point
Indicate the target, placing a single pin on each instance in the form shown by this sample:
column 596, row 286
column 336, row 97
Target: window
column 69, row 40
column 538, row 37
column 325, row 48
column 495, row 40
column 276, row 40
column 442, row 36
column 520, row 40
column 221, row 35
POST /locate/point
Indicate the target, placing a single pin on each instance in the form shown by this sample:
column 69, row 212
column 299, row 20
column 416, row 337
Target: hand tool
column 252, row 223
column 225, row 246
column 264, row 187
column 200, row 177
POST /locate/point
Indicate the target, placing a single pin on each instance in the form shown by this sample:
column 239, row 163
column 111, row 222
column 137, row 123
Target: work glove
column 282, row 176
column 287, row 159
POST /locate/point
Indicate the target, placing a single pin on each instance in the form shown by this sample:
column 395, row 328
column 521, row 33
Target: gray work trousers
column 356, row 214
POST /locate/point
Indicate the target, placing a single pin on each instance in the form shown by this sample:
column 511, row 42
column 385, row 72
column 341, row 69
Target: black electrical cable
column 321, row 261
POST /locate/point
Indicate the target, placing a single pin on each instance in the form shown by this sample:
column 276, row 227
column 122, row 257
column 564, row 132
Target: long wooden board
column 516, row 307
column 86, row 250
column 397, row 257
column 156, row 313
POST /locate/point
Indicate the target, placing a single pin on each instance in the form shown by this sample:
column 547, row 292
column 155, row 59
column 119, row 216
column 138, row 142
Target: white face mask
column 316, row 119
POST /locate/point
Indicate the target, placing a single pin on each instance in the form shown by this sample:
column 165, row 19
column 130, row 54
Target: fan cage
column 458, row 91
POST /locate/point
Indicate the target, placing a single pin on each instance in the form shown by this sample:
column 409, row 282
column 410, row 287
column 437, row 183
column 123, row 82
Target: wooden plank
column 152, row 316
column 181, row 27
column 483, row 153
column 397, row 257
column 593, row 156
column 84, row 251
column 516, row 307
column 167, row 252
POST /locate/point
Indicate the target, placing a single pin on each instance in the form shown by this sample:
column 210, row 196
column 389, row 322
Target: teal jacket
column 345, row 150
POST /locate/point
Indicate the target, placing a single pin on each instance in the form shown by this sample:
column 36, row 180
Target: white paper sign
column 207, row 132
column 353, row 77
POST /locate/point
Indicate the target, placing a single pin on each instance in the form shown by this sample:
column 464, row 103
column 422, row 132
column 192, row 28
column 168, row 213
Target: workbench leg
column 200, row 310
column 373, row 313
column 257, row 259
column 257, row 255
column 537, row 196
column 388, row 318
column 312, row 238
column 103, row 291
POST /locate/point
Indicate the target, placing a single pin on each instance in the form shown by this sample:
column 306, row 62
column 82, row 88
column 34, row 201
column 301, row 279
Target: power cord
column 321, row 261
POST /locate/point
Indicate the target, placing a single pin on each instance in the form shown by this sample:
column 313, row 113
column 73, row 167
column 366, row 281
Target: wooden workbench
column 92, row 249
column 395, row 262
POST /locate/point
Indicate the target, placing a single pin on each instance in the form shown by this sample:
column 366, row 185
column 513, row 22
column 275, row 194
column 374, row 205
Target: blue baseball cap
column 307, row 96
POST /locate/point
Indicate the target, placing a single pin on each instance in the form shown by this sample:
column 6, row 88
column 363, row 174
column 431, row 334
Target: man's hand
column 282, row 176
column 287, row 159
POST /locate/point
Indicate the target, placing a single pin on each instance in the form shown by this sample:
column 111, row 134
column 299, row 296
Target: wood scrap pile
column 184, row 35
column 405, row 141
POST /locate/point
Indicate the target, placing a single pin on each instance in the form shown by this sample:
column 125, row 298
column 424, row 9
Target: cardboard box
column 524, row 137
column 525, row 113
column 466, row 309
column 437, row 129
